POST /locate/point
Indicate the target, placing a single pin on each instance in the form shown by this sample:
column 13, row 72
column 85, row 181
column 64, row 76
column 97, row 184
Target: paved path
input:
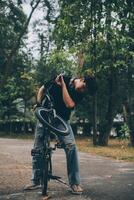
column 102, row 178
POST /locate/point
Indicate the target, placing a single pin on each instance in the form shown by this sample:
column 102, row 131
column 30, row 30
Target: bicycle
column 52, row 124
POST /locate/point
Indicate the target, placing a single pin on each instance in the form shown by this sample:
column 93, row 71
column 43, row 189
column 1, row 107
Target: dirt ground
column 102, row 178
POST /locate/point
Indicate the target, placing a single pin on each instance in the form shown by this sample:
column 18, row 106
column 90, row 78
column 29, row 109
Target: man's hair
column 91, row 84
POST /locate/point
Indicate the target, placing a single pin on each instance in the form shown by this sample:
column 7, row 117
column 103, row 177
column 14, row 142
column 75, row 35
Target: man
column 67, row 92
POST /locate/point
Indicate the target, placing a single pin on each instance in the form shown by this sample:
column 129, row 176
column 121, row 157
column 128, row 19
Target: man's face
column 80, row 85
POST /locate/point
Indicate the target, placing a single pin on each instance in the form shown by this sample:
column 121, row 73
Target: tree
column 14, row 15
column 96, row 28
column 127, row 33
column 19, row 85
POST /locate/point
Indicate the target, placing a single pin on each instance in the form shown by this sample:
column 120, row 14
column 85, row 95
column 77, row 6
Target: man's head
column 86, row 83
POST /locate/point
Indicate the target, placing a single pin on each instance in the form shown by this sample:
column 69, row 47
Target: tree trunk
column 94, row 63
column 107, row 126
column 24, row 122
column 129, row 105
column 95, row 137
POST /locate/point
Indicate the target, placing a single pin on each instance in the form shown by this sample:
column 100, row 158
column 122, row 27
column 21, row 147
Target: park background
column 42, row 38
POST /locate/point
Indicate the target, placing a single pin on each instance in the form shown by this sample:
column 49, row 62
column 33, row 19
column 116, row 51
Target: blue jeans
column 70, row 148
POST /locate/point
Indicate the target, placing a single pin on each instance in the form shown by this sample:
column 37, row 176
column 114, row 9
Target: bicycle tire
column 45, row 178
column 55, row 124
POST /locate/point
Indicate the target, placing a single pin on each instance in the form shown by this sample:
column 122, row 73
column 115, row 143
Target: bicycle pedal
column 54, row 177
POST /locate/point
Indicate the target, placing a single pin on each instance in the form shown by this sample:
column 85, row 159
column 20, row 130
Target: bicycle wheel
column 45, row 177
column 54, row 123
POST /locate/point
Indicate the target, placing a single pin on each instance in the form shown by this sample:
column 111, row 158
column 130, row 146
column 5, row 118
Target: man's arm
column 66, row 97
column 40, row 94
column 39, row 97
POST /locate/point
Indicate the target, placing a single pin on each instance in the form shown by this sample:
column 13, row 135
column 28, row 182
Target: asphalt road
column 102, row 178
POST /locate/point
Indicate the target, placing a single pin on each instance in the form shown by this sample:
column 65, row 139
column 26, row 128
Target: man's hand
column 35, row 106
column 59, row 80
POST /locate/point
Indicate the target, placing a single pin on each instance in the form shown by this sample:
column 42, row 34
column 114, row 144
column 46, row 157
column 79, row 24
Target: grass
column 116, row 149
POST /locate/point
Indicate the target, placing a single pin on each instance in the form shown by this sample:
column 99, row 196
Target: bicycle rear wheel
column 54, row 123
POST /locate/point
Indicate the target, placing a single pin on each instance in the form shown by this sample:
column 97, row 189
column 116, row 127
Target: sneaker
column 32, row 187
column 76, row 189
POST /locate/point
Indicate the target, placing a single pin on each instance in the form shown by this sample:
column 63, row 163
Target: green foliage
column 55, row 63
column 20, row 84
column 102, row 31
column 125, row 132
column 12, row 20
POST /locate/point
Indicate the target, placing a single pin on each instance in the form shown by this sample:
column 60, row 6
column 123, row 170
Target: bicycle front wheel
column 54, row 123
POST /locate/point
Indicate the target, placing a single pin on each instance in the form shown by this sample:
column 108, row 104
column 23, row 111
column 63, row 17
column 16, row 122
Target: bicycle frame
column 46, row 152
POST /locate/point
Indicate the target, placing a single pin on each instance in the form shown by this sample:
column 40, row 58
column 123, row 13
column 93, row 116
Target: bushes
column 17, row 126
